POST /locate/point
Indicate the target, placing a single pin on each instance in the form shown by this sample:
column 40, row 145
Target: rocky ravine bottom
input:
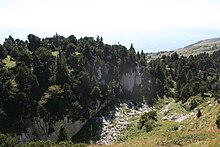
column 112, row 124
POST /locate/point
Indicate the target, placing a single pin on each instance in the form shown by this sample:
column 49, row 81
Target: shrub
column 7, row 141
column 147, row 121
column 199, row 114
column 194, row 104
column 217, row 122
column 149, row 125
column 139, row 125
column 63, row 136
column 39, row 143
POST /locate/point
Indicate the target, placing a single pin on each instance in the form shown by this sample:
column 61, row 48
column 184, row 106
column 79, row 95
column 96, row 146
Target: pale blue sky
column 148, row 24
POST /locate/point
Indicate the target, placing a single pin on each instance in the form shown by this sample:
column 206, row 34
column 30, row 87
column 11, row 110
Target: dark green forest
column 57, row 76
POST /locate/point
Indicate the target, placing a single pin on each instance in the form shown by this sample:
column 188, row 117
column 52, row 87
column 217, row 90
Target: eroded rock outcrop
column 115, row 122
column 131, row 79
column 40, row 129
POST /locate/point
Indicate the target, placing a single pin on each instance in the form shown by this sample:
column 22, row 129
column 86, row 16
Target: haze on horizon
column 150, row 25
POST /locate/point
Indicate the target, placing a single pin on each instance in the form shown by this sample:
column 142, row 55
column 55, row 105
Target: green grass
column 187, row 139
column 163, row 129
column 195, row 131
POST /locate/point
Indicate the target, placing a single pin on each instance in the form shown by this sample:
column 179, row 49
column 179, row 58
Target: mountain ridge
column 211, row 40
column 206, row 45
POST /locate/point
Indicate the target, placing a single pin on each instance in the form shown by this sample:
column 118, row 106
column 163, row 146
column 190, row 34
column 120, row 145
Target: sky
column 150, row 25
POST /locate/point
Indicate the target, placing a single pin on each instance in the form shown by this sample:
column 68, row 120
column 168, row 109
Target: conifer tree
column 62, row 136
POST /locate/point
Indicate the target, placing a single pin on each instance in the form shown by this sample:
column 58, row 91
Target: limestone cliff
column 41, row 130
column 129, row 80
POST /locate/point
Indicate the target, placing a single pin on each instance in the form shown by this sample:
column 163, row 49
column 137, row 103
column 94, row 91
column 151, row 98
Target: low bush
column 147, row 121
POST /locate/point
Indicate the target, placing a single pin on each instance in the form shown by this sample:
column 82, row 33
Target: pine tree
column 159, row 87
column 62, row 136
column 34, row 42
column 110, row 94
column 62, row 70
column 96, row 93
column 189, row 75
column 184, row 93
column 160, row 73
column 3, row 52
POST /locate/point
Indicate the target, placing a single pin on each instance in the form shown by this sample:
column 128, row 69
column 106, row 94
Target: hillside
column 48, row 84
column 205, row 42
column 61, row 91
column 177, row 127
column 208, row 45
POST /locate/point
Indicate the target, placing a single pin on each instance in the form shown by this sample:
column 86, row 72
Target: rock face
column 115, row 122
column 170, row 115
column 130, row 79
column 39, row 129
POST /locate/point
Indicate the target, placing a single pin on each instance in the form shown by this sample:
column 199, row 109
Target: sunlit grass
column 195, row 132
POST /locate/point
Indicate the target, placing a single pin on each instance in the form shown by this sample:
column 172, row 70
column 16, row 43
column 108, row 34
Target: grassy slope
column 200, row 47
column 193, row 49
column 196, row 131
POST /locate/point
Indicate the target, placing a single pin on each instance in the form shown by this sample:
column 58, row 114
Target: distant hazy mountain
column 202, row 43
column 207, row 45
